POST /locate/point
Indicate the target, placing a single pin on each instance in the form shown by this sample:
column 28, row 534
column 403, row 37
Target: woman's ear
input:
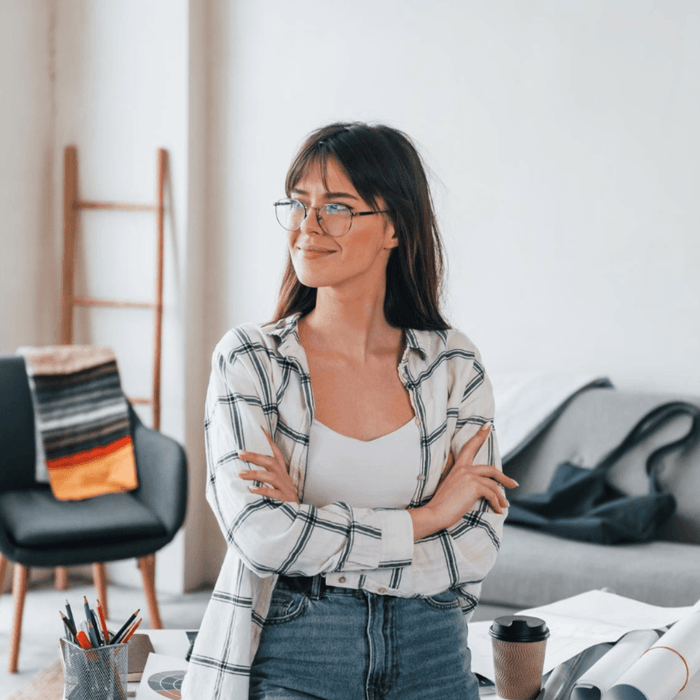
column 391, row 238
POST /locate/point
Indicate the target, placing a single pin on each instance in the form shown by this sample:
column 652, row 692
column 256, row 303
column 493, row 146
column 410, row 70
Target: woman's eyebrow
column 327, row 195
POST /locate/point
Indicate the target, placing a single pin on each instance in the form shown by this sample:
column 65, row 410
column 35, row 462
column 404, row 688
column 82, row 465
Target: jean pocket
column 285, row 606
column 447, row 600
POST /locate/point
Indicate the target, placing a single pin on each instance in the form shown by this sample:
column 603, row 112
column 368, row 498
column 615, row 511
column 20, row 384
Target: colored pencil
column 92, row 635
column 68, row 625
column 93, row 620
column 132, row 629
column 70, row 614
column 116, row 639
column 86, row 606
column 103, row 622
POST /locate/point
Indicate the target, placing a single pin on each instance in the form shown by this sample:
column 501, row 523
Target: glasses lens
column 290, row 213
column 335, row 219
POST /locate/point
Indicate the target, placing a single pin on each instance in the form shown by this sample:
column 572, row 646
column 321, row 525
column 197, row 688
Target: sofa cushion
column 34, row 518
column 534, row 569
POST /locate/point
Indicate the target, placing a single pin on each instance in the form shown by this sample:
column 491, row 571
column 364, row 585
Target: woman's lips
column 315, row 253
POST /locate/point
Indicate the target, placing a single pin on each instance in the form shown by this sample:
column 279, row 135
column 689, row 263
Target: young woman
column 352, row 465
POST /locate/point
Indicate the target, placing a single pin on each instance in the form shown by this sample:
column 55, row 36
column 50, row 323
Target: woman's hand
column 461, row 485
column 274, row 473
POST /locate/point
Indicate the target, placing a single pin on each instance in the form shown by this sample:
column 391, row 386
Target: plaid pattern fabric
column 260, row 378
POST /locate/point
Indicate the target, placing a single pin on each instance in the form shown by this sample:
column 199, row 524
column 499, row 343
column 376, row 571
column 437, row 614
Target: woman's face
column 359, row 257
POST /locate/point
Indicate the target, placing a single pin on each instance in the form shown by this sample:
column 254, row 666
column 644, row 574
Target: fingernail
column 485, row 427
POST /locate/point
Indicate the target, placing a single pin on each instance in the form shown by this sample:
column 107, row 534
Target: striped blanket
column 82, row 420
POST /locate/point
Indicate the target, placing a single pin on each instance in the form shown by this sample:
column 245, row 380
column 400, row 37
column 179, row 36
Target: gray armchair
column 36, row 529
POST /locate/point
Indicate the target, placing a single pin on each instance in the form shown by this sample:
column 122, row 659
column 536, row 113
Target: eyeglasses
column 334, row 219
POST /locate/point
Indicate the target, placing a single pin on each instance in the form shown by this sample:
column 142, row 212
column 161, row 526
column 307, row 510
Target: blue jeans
column 330, row 643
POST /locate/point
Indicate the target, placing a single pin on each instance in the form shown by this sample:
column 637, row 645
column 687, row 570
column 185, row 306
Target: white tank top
column 380, row 473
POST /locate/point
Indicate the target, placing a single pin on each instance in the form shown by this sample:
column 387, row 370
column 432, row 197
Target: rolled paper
column 665, row 668
column 602, row 675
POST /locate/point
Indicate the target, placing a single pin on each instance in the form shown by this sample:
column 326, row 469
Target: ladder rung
column 116, row 205
column 86, row 301
column 141, row 402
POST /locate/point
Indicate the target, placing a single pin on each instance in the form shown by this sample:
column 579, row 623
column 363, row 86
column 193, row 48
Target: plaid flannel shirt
column 260, row 378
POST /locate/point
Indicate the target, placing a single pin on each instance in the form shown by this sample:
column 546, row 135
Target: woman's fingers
column 262, row 475
column 495, row 498
column 259, row 460
column 275, row 494
column 468, row 452
column 275, row 450
column 277, row 482
column 492, row 472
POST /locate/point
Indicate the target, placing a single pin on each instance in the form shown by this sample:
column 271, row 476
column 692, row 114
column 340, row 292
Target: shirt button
column 341, row 579
column 381, row 591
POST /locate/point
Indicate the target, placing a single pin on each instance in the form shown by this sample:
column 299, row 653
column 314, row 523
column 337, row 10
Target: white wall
column 562, row 136
column 122, row 87
column 27, row 246
column 565, row 144
column 565, row 139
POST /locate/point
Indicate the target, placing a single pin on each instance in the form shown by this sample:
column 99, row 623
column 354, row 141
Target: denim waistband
column 314, row 586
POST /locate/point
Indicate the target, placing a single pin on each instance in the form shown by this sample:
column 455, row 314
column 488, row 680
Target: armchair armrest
column 162, row 473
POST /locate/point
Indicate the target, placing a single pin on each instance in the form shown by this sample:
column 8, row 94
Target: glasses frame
column 319, row 220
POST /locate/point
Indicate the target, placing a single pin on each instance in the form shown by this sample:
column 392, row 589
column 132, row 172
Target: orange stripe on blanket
column 90, row 455
column 116, row 472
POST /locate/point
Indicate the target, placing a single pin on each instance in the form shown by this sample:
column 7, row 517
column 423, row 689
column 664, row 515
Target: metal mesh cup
column 94, row 674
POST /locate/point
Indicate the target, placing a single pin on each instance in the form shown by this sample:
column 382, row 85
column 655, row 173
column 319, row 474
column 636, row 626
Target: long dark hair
column 380, row 161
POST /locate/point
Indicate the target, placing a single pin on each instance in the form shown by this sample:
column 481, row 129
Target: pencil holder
column 94, row 674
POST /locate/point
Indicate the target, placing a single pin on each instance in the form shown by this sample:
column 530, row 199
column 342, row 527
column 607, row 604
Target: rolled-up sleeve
column 274, row 537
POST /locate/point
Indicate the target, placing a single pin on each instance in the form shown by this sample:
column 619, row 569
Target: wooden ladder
column 72, row 204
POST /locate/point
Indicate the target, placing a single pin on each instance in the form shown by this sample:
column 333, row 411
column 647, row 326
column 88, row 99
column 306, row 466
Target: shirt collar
column 285, row 327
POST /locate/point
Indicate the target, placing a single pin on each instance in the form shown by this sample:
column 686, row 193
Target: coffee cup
column 519, row 643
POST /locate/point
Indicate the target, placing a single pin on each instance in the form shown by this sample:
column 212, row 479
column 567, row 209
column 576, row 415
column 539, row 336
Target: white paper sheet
column 577, row 623
column 162, row 677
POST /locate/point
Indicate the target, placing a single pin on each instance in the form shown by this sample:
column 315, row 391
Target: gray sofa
column 534, row 568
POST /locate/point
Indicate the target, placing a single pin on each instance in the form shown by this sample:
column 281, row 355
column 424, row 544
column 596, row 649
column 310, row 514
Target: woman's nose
column 310, row 223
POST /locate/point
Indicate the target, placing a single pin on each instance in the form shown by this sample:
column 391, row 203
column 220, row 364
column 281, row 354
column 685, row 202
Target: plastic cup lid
column 519, row 628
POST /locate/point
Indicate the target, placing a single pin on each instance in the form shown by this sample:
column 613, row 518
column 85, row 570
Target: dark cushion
column 593, row 424
column 17, row 450
column 35, row 518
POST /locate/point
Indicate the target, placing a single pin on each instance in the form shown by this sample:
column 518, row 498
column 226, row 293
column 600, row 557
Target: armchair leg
column 3, row 571
column 19, row 590
column 61, row 578
column 99, row 578
column 147, row 565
